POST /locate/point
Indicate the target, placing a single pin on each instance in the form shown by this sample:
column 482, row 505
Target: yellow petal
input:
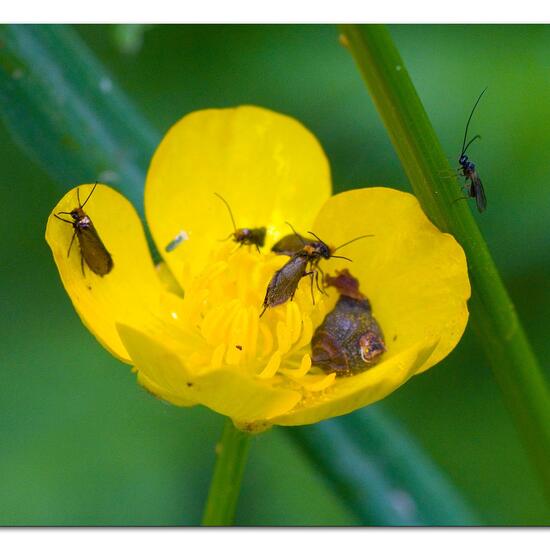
column 267, row 166
column 351, row 393
column 130, row 290
column 163, row 371
column 414, row 275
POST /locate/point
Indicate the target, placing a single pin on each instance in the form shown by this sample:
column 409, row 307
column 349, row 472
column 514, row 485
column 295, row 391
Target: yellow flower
column 207, row 345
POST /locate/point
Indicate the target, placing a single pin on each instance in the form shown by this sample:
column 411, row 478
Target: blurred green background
column 82, row 443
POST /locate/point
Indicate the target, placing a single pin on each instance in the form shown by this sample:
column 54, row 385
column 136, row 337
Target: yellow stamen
column 322, row 384
column 272, row 366
column 223, row 304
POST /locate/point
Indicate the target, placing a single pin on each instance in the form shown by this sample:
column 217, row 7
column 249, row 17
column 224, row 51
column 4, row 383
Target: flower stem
column 493, row 314
column 232, row 451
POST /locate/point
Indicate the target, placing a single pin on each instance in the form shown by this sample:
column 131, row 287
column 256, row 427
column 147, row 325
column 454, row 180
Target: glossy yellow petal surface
column 267, row 166
column 131, row 290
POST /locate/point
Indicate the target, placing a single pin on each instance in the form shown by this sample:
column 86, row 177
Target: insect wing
column 290, row 244
column 257, row 236
column 93, row 250
column 285, row 281
column 479, row 192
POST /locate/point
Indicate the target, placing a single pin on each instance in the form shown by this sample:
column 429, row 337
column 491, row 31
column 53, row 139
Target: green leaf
column 380, row 472
column 67, row 113
column 493, row 314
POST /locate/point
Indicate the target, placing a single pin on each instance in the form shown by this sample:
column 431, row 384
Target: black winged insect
column 92, row 249
column 305, row 261
column 254, row 236
column 474, row 187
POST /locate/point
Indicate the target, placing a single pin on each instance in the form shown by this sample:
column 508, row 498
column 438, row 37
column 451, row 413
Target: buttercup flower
column 202, row 341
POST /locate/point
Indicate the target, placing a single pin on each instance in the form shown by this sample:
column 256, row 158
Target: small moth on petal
column 254, row 236
column 92, row 249
column 284, row 282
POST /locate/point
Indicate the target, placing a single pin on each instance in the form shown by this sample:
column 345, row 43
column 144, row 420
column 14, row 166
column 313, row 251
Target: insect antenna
column 349, row 242
column 469, row 143
column 464, row 147
column 62, row 219
column 297, row 234
column 341, row 257
column 87, row 199
column 229, row 210
column 318, row 238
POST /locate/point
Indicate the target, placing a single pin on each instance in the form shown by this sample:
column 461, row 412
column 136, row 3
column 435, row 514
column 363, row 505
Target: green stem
column 494, row 318
column 232, row 451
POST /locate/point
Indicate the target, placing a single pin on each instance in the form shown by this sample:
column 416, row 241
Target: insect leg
column 82, row 264
column 461, row 198
column 72, row 241
column 322, row 290
column 226, row 239
column 235, row 249
column 311, row 273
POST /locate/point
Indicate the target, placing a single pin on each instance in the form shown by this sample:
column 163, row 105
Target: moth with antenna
column 474, row 187
column 92, row 249
column 254, row 236
column 303, row 262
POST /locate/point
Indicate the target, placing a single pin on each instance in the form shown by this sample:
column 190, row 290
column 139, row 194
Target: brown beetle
column 349, row 340
column 305, row 261
column 254, row 236
column 92, row 249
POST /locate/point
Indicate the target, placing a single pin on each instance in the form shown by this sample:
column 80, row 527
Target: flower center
column 224, row 303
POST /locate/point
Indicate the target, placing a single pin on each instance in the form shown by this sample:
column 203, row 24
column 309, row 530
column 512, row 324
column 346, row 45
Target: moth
column 245, row 236
column 92, row 249
column 303, row 262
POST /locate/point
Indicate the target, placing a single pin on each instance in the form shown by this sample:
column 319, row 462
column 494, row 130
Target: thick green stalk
column 380, row 472
column 232, row 451
column 65, row 110
column 493, row 314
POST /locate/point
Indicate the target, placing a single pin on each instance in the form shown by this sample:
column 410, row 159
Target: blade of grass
column 380, row 471
column 493, row 314
column 53, row 101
